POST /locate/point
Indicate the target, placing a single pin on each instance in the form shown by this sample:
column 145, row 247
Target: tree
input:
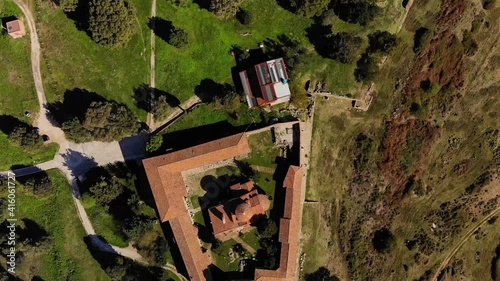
column 225, row 8
column 39, row 184
column 106, row 190
column 177, row 37
column 103, row 121
column 111, row 22
column 160, row 108
column 309, row 8
column 366, row 69
column 136, row 226
column 267, row 228
column 356, row 11
column 343, row 47
column 154, row 143
column 382, row 41
column 422, row 39
column 383, row 240
column 322, row 274
column 25, row 137
column 68, row 5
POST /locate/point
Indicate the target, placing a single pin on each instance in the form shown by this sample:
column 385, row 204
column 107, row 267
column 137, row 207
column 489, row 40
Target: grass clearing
column 72, row 60
column 14, row 155
column 67, row 256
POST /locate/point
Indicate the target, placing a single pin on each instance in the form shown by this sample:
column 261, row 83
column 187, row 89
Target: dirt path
column 462, row 242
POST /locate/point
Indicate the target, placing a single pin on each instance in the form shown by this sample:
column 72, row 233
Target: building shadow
column 174, row 249
column 134, row 147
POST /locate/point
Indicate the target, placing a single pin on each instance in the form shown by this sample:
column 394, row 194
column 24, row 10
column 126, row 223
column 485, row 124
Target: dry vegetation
column 422, row 163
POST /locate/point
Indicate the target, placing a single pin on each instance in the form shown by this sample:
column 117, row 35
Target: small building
column 239, row 213
column 15, row 28
column 266, row 83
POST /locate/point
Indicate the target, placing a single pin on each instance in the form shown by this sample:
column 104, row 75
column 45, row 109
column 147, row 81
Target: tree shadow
column 208, row 89
column 161, row 27
column 320, row 36
column 144, row 97
column 8, row 123
column 75, row 104
column 286, row 4
column 80, row 16
column 203, row 4
column 32, row 233
column 78, row 163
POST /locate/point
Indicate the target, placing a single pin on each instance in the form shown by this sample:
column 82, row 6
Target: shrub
column 111, row 22
column 177, row 37
column 225, row 8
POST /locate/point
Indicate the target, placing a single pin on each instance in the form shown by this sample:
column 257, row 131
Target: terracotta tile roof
column 168, row 187
column 289, row 230
column 164, row 171
column 13, row 26
column 238, row 213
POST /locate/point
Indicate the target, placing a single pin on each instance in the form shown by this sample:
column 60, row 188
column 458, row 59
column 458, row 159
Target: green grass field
column 67, row 257
column 16, row 81
column 72, row 60
column 14, row 155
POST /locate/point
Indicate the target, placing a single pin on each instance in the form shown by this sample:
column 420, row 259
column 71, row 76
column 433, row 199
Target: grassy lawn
column 221, row 257
column 16, row 81
column 103, row 223
column 67, row 256
column 252, row 238
column 264, row 152
column 14, row 155
column 72, row 60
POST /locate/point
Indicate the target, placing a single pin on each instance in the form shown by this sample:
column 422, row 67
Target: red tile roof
column 289, row 230
column 168, row 187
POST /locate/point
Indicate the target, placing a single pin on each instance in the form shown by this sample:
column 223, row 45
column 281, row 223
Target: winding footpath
column 462, row 241
column 75, row 159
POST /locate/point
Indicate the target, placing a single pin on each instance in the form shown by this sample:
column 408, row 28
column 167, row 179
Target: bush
column 177, row 37
column 309, row 8
column 68, row 5
column 422, row 39
column 488, row 4
column 225, row 8
column 111, row 22
column 25, row 137
column 244, row 17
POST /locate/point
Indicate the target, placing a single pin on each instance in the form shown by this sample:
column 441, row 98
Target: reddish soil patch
column 407, row 141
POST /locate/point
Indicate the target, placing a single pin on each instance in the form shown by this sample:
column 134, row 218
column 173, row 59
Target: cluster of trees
column 380, row 43
column 309, row 8
column 225, row 8
column 267, row 254
column 26, row 137
column 113, row 188
column 356, row 11
column 111, row 22
column 103, row 121
column 343, row 47
column 39, row 184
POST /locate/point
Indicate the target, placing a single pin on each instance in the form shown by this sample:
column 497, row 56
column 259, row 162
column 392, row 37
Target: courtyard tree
column 111, row 22
column 225, row 8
